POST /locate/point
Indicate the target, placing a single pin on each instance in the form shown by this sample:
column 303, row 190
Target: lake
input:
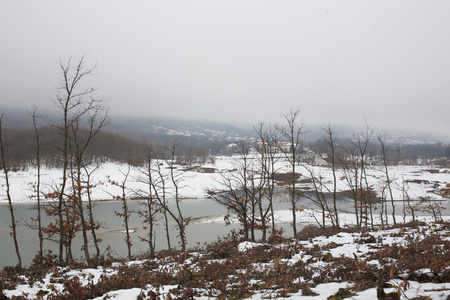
column 112, row 234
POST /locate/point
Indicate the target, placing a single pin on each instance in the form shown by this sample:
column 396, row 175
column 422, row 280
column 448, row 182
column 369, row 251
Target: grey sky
column 240, row 61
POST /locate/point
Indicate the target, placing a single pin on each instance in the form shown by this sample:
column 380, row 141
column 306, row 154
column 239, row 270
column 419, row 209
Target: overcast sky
column 239, row 61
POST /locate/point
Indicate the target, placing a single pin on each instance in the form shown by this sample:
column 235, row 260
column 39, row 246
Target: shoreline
column 97, row 200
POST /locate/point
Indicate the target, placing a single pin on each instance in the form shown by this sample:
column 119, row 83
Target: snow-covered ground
column 417, row 180
column 364, row 253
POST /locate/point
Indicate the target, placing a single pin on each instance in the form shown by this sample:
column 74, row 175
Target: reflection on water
column 111, row 231
column 112, row 234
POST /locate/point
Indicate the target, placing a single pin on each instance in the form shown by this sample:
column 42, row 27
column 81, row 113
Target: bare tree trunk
column 84, row 228
column 149, row 213
column 126, row 222
column 236, row 192
column 263, row 222
column 180, row 221
column 361, row 142
column 72, row 225
column 267, row 150
column 409, row 205
column 62, row 229
column 37, row 149
column 369, row 198
column 350, row 167
column 75, row 176
column 92, row 224
column 8, row 195
column 159, row 187
column 384, row 150
column 126, row 212
column 319, row 198
column 332, row 155
column 166, row 227
column 292, row 131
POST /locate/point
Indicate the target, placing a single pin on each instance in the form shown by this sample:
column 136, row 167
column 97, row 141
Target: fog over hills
column 147, row 127
column 159, row 129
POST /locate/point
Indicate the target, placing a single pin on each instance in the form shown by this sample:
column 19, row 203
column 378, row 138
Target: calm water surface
column 111, row 231
column 112, row 234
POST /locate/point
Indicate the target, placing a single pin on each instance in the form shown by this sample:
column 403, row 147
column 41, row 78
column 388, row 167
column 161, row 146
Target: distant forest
column 397, row 152
column 19, row 148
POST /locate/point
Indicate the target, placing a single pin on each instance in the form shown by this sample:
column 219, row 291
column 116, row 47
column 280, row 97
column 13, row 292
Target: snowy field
column 418, row 181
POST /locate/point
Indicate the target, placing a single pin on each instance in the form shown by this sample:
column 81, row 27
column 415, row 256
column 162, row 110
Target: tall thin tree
column 125, row 213
column 389, row 180
column 37, row 148
column 267, row 150
column 74, row 102
column 292, row 130
column 176, row 179
column 330, row 141
column 8, row 195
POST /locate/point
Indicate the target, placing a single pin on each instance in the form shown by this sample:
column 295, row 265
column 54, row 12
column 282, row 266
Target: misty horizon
column 21, row 119
column 239, row 62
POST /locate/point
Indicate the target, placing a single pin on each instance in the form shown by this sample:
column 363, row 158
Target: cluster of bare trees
column 352, row 158
column 249, row 192
column 160, row 185
column 69, row 198
column 82, row 116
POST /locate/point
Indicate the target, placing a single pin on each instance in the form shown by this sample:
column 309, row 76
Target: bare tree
column 320, row 199
column 149, row 213
column 433, row 207
column 292, row 131
column 80, row 138
column 329, row 139
column 72, row 103
column 361, row 144
column 389, row 180
column 8, row 195
column 75, row 200
column 159, row 185
column 93, row 225
column 176, row 179
column 350, row 167
column 408, row 205
column 257, row 194
column 267, row 150
column 37, row 148
column 125, row 213
column 235, row 193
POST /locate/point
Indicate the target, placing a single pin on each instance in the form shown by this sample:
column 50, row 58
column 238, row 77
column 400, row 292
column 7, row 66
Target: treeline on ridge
column 20, row 148
column 398, row 153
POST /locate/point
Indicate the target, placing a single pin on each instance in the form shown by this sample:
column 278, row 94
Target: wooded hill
column 20, row 147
